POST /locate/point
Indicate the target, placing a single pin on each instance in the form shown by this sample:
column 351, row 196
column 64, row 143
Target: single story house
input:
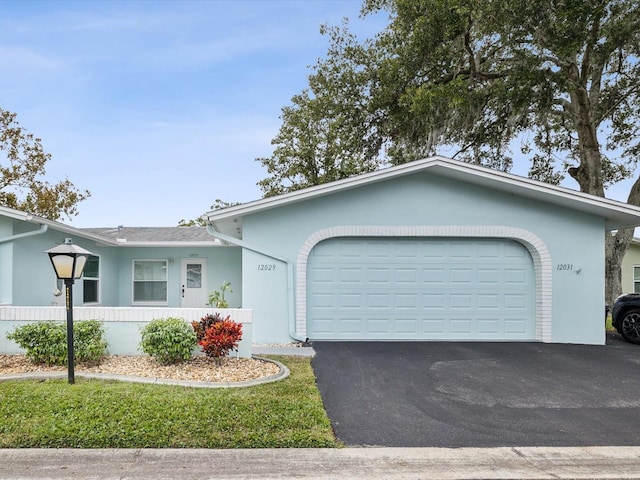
column 133, row 276
column 435, row 249
column 631, row 268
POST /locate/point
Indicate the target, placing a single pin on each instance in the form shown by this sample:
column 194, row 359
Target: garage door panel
column 461, row 276
column 405, row 275
column 406, row 326
column 489, row 326
column 434, row 276
column 489, row 276
column 516, row 326
column 489, row 301
column 411, row 289
column 378, row 276
column 461, row 326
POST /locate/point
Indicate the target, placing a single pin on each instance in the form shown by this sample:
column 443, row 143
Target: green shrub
column 168, row 340
column 89, row 344
column 46, row 342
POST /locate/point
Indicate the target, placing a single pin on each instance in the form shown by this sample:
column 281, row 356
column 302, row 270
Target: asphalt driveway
column 446, row 394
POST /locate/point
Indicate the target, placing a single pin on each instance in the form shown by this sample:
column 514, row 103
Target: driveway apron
column 446, row 394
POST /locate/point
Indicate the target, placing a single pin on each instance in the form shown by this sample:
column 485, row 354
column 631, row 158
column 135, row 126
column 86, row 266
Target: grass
column 608, row 325
column 108, row 414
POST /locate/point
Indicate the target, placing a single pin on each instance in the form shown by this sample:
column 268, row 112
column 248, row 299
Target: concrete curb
column 316, row 463
column 282, row 374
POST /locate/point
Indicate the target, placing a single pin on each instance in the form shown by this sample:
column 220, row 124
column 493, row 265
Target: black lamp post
column 68, row 261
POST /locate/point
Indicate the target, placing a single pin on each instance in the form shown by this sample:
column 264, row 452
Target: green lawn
column 106, row 414
column 608, row 324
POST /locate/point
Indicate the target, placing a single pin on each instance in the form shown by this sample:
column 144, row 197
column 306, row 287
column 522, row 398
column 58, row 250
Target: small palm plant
column 216, row 298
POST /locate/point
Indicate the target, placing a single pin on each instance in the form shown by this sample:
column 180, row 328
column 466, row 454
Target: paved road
column 481, row 394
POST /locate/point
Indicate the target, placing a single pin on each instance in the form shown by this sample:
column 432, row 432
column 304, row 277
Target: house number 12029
column 265, row 267
column 564, row 266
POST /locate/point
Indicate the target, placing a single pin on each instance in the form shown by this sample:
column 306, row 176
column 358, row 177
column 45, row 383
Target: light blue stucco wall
column 223, row 264
column 6, row 264
column 266, row 285
column 34, row 282
column 572, row 238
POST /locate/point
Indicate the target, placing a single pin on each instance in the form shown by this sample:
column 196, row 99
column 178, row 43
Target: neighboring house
column 430, row 250
column 631, row 268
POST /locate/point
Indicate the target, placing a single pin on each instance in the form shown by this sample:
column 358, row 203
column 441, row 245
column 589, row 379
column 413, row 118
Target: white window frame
column 96, row 279
column 133, row 282
column 633, row 278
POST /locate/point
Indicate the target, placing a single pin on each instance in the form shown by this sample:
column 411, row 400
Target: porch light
column 68, row 261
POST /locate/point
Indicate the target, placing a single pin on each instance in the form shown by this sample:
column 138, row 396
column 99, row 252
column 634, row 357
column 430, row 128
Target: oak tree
column 553, row 82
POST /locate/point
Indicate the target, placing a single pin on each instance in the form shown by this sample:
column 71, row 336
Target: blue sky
column 160, row 107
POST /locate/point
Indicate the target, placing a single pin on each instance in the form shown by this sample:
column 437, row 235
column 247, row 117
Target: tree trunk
column 615, row 248
column 589, row 173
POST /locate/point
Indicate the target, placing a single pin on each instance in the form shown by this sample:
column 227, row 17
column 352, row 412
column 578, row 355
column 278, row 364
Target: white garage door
column 420, row 289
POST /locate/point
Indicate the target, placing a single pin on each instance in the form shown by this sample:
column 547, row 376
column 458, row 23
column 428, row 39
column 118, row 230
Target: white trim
column 633, row 276
column 11, row 313
column 616, row 214
column 542, row 264
column 96, row 279
column 133, row 282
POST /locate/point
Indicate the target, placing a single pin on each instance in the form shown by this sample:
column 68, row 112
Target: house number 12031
column 564, row 266
column 265, row 267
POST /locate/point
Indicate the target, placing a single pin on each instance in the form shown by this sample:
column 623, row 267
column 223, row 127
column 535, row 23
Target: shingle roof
column 153, row 234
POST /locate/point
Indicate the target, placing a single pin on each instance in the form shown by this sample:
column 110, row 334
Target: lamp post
column 68, row 261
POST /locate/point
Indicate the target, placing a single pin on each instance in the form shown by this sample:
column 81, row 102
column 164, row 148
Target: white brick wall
column 118, row 314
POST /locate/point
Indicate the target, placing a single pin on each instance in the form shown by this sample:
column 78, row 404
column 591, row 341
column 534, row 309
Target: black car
column 626, row 316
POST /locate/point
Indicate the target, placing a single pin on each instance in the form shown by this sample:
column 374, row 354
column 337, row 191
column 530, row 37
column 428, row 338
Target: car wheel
column 630, row 326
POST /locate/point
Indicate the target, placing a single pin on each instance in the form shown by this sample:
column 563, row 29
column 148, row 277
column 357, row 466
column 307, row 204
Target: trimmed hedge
column 46, row 342
column 168, row 340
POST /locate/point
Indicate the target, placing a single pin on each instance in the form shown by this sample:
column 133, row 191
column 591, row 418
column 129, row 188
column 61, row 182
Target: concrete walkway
column 342, row 464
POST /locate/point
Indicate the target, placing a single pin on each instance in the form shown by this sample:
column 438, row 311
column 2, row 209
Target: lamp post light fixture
column 68, row 261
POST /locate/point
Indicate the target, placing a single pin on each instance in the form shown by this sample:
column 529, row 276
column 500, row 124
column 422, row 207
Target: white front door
column 193, row 282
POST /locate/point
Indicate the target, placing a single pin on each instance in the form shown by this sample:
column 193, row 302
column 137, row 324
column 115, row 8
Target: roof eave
column 616, row 214
column 212, row 243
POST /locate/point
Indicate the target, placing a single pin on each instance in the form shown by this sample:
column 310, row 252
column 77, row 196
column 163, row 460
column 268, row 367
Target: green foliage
column 201, row 221
column 217, row 336
column 168, row 340
column 216, row 298
column 22, row 164
column 88, row 341
column 472, row 80
column 102, row 414
column 560, row 81
column 46, row 342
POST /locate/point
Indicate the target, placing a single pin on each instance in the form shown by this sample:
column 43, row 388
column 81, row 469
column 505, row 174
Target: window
column 150, row 281
column 636, row 279
column 91, row 282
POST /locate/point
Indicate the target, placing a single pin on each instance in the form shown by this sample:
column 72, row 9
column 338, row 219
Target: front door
column 193, row 282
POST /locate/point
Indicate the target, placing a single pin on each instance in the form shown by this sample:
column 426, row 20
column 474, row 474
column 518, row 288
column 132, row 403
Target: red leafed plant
column 216, row 336
column 205, row 322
